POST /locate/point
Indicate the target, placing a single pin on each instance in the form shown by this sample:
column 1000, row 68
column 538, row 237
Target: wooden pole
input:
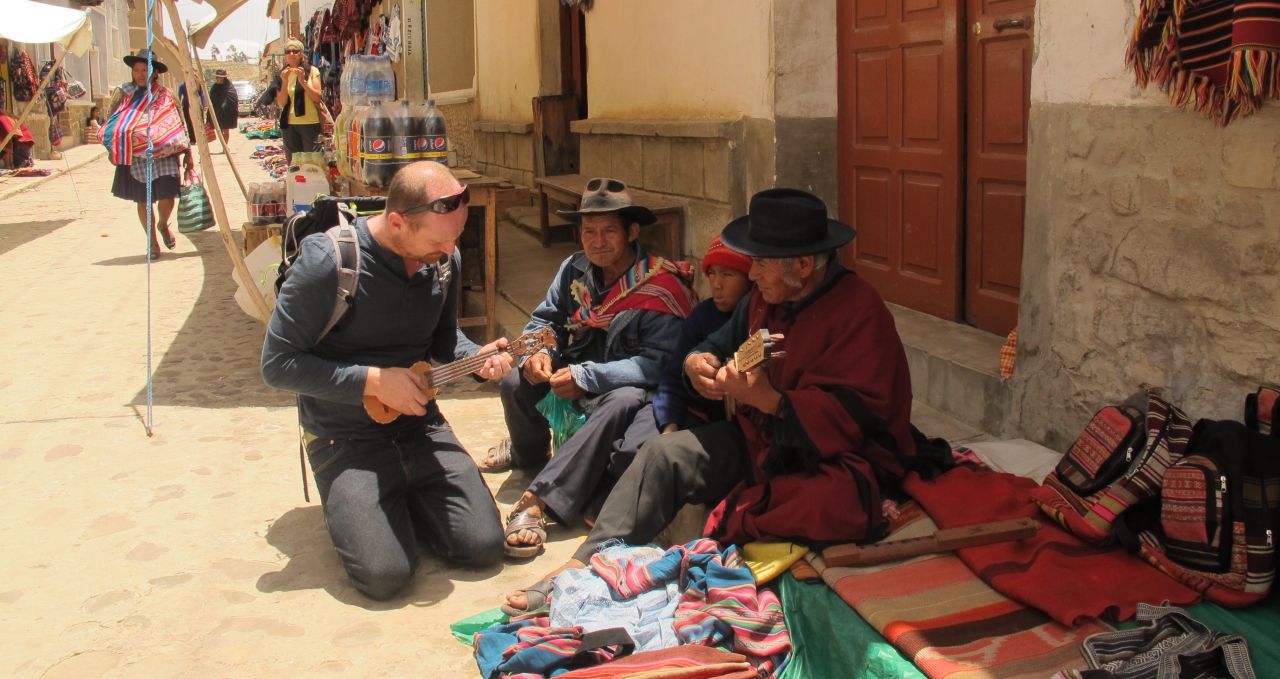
column 17, row 127
column 210, row 178
column 217, row 127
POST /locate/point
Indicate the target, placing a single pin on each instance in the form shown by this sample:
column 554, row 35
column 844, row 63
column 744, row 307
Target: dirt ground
column 190, row 552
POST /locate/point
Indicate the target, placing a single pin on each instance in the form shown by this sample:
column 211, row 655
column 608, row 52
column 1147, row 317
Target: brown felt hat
column 604, row 195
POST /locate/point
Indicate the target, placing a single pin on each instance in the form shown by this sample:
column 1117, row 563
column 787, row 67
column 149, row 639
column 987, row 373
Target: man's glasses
column 443, row 206
column 613, row 185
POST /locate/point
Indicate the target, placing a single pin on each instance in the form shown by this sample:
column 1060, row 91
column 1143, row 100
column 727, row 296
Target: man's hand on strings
column 751, row 388
column 497, row 366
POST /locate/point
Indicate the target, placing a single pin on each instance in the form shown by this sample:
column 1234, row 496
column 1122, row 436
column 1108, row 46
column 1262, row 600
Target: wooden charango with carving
column 751, row 354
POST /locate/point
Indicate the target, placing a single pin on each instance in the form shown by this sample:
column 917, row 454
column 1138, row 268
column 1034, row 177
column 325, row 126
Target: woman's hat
column 719, row 254
column 294, row 44
column 604, row 195
column 142, row 55
column 786, row 223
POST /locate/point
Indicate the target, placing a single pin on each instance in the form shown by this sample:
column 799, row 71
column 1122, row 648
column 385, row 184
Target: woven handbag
column 194, row 211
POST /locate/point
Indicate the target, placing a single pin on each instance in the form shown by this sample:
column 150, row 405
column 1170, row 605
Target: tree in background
column 215, row 53
column 233, row 53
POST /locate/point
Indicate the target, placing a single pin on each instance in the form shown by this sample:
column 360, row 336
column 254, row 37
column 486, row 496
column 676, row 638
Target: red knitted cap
column 719, row 254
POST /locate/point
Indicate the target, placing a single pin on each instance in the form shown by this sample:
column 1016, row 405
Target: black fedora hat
column 604, row 195
column 785, row 223
column 142, row 54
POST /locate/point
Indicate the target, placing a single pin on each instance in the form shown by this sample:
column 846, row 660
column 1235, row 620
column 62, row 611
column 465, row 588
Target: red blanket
column 1055, row 572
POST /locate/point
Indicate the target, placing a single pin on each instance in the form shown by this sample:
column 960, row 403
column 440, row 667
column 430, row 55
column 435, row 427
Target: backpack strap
column 346, row 251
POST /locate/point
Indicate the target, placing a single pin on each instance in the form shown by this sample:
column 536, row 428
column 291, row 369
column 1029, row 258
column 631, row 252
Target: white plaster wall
column 508, row 74
column 678, row 59
column 1079, row 54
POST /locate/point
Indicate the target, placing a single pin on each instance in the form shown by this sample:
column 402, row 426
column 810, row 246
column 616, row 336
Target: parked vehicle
column 248, row 95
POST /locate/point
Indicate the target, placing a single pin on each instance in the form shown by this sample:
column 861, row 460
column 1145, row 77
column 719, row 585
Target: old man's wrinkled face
column 606, row 240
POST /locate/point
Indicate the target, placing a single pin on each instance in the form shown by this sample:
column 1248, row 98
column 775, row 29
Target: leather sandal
column 498, row 459
column 523, row 520
column 170, row 240
column 536, row 597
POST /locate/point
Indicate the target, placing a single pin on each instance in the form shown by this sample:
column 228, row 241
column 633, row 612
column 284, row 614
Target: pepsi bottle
column 376, row 154
column 405, row 139
column 434, row 143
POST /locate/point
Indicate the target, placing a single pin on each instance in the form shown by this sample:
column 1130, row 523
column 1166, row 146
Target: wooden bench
column 664, row 237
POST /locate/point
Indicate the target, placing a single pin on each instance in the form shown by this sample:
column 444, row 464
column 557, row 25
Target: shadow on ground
column 21, row 233
column 214, row 361
column 300, row 535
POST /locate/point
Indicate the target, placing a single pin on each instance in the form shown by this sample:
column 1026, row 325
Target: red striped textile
column 947, row 621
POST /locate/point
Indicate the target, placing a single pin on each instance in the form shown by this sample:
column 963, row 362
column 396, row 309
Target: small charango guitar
column 751, row 354
column 525, row 345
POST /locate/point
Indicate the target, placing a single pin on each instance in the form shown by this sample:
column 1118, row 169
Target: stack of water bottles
column 376, row 135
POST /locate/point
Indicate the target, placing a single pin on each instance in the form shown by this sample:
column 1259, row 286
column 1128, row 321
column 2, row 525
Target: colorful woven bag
column 127, row 129
column 1115, row 464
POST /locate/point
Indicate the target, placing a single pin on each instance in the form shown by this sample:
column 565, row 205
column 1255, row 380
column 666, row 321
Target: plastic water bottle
column 404, row 141
column 379, row 79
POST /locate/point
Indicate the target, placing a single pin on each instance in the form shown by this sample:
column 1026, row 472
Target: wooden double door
column 933, row 103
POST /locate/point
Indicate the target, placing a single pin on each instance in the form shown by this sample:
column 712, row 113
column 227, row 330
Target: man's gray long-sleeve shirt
column 394, row 321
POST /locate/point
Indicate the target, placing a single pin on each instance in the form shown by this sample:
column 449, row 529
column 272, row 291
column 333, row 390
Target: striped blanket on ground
column 1220, row 56
column 720, row 607
column 947, row 621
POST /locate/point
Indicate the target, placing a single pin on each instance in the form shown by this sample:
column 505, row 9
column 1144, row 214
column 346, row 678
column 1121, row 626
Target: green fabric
column 1257, row 624
column 465, row 630
column 828, row 638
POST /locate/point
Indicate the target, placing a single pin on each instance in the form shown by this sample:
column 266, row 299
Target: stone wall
column 1152, row 254
column 804, row 61
column 504, row 149
column 459, row 123
column 702, row 165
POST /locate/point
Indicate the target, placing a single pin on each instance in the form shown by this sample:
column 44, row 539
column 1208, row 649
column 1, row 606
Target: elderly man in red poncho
column 820, row 433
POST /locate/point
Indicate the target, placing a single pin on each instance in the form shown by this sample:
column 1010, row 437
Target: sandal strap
column 523, row 520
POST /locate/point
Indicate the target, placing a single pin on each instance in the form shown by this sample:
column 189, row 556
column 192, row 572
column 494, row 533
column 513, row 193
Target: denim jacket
column 637, row 343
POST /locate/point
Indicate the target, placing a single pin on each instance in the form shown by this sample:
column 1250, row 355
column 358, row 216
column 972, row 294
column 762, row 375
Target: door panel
column 899, row 71
column 998, row 78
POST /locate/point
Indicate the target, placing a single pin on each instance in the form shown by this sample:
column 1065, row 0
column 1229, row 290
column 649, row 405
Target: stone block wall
column 504, row 150
column 459, row 122
column 1152, row 254
column 697, row 164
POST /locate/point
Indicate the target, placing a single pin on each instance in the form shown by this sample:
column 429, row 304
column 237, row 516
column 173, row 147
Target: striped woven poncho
column 1222, row 57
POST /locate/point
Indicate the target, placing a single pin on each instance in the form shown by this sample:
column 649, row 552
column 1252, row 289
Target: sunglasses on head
column 443, row 206
column 613, row 185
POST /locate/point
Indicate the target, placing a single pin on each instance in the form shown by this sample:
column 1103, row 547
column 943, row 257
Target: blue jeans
column 378, row 494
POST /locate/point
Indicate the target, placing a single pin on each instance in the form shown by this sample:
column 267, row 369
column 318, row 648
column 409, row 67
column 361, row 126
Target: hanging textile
column 1221, row 57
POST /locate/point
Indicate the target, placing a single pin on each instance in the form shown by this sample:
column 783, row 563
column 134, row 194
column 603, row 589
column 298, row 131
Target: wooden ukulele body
column 382, row 414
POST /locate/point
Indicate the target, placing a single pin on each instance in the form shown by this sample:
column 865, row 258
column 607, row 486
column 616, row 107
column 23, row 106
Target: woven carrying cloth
column 125, row 134
column 653, row 284
column 1220, row 56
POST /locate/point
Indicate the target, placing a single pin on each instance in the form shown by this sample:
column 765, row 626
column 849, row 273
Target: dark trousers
column 528, row 429
column 699, row 465
column 377, row 494
column 299, row 139
column 574, row 475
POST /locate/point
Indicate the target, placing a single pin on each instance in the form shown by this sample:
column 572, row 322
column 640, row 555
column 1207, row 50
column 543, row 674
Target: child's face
column 728, row 286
